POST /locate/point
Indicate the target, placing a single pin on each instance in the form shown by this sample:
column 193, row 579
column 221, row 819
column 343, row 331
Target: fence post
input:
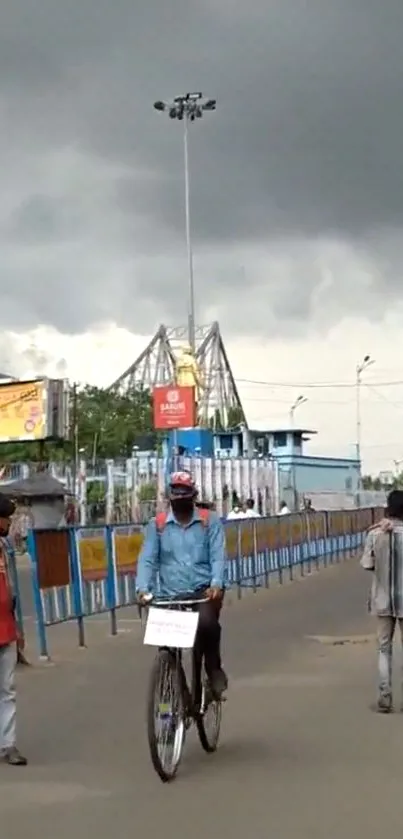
column 40, row 616
column 111, row 581
column 328, row 539
column 300, row 552
column 339, row 538
column 348, row 547
column 239, row 561
column 265, row 553
column 305, row 526
column 254, row 555
column 76, row 580
column 289, row 548
column 279, row 550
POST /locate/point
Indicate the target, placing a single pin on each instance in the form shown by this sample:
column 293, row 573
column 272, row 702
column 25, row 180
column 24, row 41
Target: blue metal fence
column 94, row 572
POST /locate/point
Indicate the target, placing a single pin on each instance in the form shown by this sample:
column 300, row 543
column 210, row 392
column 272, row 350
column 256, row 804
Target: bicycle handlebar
column 158, row 603
column 149, row 601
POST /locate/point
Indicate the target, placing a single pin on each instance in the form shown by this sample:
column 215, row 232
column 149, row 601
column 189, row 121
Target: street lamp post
column 299, row 401
column 188, row 108
column 366, row 362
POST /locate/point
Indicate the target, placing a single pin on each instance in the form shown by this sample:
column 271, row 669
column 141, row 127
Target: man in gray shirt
column 383, row 555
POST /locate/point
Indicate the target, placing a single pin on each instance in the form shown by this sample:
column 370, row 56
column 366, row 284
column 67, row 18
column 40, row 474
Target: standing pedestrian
column 8, row 651
column 236, row 512
column 250, row 512
column 383, row 555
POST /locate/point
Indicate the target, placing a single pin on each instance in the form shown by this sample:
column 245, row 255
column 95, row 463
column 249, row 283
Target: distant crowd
column 246, row 509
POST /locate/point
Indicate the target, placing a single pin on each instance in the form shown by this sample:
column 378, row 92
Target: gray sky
column 297, row 179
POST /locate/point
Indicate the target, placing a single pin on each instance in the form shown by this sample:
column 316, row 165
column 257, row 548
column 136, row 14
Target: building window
column 226, row 441
column 349, row 484
column 279, row 439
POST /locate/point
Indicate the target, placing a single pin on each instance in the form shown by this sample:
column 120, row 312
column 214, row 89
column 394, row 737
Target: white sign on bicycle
column 171, row 628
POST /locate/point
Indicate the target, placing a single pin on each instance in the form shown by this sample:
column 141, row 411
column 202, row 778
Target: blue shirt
column 183, row 558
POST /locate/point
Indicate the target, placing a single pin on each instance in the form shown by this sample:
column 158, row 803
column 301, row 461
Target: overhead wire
column 305, row 385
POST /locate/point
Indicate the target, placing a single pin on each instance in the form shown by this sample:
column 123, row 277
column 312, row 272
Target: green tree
column 110, row 424
column 215, row 422
column 235, row 417
column 104, row 424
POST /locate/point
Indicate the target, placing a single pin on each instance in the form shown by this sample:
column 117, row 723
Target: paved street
column 302, row 755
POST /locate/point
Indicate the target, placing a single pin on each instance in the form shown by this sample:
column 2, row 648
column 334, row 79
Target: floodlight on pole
column 365, row 363
column 188, row 108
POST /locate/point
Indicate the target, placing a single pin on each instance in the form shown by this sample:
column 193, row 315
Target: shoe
column 13, row 757
column 218, row 683
column 384, row 705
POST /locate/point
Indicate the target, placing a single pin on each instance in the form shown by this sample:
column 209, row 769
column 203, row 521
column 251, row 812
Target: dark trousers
column 208, row 638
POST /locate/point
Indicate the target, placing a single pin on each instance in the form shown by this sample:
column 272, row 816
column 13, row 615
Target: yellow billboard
column 23, row 411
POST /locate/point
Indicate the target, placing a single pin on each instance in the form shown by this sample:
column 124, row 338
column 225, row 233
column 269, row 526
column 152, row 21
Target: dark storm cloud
column 305, row 146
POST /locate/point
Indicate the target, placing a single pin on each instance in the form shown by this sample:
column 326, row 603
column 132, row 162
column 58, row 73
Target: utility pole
column 366, row 362
column 187, row 109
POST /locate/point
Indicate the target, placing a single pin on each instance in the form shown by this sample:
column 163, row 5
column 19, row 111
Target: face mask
column 182, row 506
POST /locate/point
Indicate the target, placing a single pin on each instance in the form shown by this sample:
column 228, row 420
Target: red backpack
column 161, row 518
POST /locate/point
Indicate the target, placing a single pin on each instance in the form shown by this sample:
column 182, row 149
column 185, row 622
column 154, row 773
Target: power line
column 381, row 396
column 268, row 400
column 304, row 385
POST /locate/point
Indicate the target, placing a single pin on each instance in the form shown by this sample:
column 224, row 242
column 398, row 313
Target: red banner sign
column 174, row 407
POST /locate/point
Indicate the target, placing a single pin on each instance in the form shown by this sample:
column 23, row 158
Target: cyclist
column 186, row 548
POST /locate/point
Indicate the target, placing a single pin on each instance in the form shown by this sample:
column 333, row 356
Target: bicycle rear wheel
column 208, row 722
column 166, row 715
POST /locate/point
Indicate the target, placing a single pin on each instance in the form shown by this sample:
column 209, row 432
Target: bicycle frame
column 193, row 704
column 196, row 698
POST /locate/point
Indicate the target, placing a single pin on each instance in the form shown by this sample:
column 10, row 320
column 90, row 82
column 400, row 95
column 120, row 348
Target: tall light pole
column 299, row 401
column 187, row 109
column 365, row 363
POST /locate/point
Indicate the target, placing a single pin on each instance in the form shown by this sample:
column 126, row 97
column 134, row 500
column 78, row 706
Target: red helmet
column 182, row 485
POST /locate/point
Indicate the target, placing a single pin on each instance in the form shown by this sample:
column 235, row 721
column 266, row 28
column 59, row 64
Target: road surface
column 302, row 754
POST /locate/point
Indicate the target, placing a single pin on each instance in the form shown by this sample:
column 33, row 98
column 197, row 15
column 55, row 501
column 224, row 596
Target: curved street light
column 299, row 401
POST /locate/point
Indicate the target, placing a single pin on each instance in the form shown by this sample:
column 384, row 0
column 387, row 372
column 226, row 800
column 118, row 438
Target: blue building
column 303, row 475
column 299, row 474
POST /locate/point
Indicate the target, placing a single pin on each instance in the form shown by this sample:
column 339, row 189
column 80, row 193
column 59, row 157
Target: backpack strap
column 161, row 518
column 160, row 521
column 204, row 517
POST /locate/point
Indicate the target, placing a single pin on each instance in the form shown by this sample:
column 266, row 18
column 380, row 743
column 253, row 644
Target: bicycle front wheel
column 208, row 723
column 166, row 715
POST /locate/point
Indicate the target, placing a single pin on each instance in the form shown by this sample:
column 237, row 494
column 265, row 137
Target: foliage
column 378, row 482
column 95, row 491
column 235, row 417
column 371, row 483
column 109, row 424
column 215, row 422
column 148, row 492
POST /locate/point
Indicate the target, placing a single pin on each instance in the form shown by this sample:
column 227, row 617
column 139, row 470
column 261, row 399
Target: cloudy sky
column 297, row 197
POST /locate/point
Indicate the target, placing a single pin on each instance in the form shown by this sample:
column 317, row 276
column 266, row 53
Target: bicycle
column 171, row 706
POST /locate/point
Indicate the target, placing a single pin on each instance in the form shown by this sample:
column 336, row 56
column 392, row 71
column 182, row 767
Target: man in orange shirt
column 8, row 653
